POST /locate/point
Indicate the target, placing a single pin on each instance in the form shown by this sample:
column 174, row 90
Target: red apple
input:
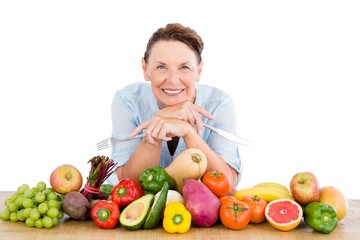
column 304, row 186
column 66, row 178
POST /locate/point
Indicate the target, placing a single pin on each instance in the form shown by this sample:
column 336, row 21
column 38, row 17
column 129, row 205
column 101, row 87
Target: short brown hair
column 176, row 32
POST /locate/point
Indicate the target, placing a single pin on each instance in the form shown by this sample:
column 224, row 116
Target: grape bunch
column 38, row 206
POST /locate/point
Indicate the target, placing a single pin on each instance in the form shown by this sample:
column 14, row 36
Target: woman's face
column 173, row 70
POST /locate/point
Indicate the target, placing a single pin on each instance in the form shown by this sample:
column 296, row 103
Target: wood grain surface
column 348, row 228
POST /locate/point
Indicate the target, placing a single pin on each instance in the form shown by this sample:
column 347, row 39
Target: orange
column 283, row 214
column 334, row 197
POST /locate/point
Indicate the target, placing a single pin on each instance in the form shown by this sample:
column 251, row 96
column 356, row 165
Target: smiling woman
column 172, row 109
column 295, row 65
column 180, row 75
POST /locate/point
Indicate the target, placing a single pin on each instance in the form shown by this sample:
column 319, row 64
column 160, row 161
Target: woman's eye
column 161, row 67
column 184, row 68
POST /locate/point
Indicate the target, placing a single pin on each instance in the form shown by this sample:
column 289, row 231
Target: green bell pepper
column 152, row 179
column 320, row 217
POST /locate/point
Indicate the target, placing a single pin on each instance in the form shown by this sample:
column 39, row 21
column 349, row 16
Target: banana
column 267, row 193
column 272, row 184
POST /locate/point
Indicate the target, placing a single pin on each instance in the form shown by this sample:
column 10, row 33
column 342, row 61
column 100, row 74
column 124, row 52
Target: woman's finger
column 203, row 112
column 139, row 128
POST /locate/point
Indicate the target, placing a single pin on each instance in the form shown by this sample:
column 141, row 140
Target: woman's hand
column 186, row 111
column 176, row 120
column 163, row 129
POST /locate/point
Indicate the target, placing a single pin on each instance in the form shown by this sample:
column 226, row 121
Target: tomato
column 219, row 183
column 257, row 207
column 235, row 215
column 227, row 198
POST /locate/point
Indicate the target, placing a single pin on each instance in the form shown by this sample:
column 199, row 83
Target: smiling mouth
column 173, row 92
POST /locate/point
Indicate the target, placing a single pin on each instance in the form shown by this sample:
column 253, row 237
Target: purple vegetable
column 201, row 203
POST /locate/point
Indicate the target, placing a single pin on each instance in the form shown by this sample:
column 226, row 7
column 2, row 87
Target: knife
column 239, row 140
column 229, row 136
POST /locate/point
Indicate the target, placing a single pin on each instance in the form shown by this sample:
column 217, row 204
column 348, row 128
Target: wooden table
column 348, row 228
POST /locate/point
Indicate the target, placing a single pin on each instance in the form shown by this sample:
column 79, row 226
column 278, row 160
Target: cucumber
column 133, row 216
column 157, row 209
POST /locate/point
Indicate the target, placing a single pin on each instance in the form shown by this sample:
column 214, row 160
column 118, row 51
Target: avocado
column 157, row 208
column 133, row 215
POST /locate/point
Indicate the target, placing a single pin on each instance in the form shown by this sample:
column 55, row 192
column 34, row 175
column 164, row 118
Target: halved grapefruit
column 283, row 214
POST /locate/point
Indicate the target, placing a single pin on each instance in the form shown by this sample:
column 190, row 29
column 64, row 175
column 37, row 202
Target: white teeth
column 172, row 91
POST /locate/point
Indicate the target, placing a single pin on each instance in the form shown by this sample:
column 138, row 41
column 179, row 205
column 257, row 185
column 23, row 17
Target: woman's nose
column 174, row 75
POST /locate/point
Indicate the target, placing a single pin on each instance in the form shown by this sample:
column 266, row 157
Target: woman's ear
column 200, row 66
column 144, row 68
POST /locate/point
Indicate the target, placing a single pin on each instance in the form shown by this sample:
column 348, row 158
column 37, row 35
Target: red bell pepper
column 126, row 191
column 105, row 214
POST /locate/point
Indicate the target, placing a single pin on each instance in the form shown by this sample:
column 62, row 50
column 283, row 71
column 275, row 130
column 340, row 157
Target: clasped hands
column 176, row 120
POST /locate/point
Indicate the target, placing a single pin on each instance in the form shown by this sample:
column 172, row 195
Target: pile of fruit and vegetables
column 175, row 198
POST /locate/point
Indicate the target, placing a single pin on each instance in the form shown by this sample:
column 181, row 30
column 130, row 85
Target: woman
column 171, row 110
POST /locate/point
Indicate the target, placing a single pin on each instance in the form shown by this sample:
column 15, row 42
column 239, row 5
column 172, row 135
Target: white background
column 293, row 69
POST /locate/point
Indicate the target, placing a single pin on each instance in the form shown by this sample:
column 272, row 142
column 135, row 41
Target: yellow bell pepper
column 177, row 219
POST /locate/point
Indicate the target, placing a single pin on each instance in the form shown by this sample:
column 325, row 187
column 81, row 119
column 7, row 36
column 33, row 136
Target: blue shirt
column 135, row 104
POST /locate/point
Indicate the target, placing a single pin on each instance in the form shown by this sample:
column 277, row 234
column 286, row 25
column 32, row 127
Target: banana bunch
column 268, row 191
column 272, row 184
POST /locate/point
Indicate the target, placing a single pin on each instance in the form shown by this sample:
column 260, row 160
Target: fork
column 111, row 141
